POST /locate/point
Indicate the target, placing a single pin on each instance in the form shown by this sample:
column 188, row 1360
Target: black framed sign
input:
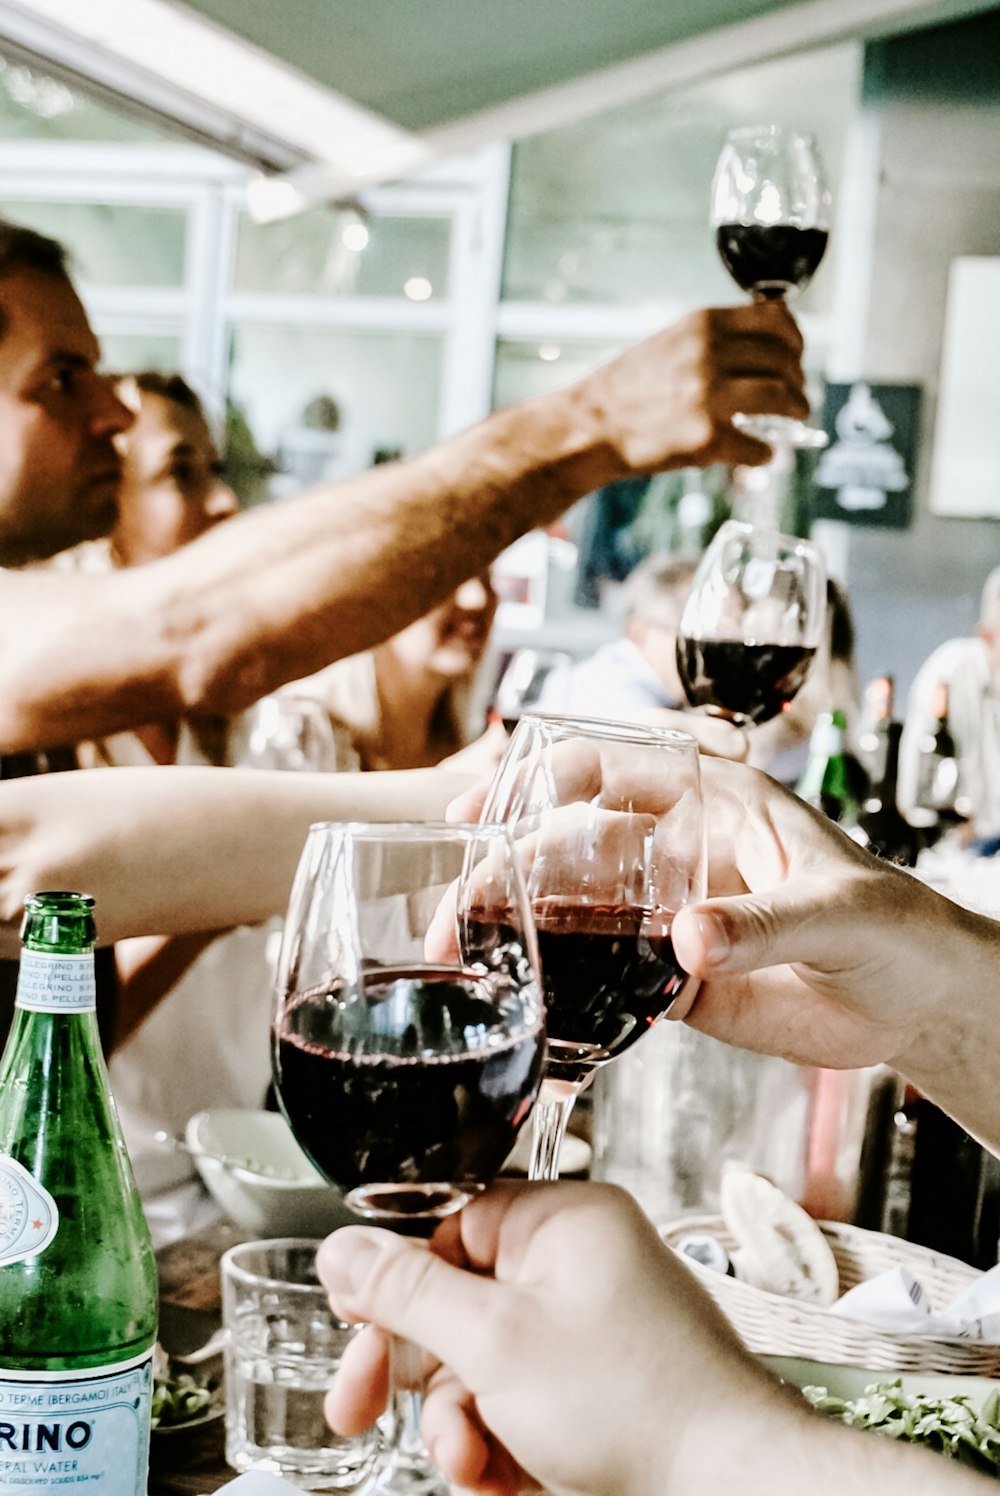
column 865, row 475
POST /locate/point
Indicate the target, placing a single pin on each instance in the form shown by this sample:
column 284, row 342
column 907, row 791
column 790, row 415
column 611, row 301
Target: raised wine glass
column 408, row 1036
column 752, row 623
column 771, row 214
column 607, row 818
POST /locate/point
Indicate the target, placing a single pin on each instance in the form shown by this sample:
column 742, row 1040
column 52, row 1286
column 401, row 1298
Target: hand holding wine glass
column 406, row 1063
column 752, row 623
column 771, row 215
column 607, row 819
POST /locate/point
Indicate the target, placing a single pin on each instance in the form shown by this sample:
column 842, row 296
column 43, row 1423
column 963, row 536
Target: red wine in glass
column 441, row 1101
column 771, row 261
column 749, row 683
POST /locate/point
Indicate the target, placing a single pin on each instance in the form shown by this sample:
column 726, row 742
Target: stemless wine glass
column 771, row 214
column 408, row 1036
column 607, row 818
column 752, row 623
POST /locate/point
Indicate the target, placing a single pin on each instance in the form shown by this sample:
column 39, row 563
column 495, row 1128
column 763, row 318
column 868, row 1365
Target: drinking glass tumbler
column 283, row 1346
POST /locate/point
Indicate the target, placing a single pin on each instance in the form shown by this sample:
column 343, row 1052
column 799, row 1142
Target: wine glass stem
column 408, row 1471
column 548, row 1128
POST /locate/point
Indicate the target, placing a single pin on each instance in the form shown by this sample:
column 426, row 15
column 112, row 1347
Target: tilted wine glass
column 752, row 623
column 408, row 1036
column 770, row 209
column 607, row 820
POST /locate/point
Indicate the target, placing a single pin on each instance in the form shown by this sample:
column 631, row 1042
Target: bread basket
column 772, row 1325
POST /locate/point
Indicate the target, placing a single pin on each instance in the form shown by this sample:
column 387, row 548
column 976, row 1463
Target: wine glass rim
column 747, row 527
column 609, row 727
column 412, row 830
column 751, row 132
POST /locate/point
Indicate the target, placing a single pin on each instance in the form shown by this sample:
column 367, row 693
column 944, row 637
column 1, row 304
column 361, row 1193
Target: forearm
column 774, row 1444
column 171, row 850
column 282, row 591
column 955, row 1058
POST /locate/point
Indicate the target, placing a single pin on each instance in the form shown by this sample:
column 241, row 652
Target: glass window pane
column 334, row 252
column 111, row 244
column 130, row 352
column 615, row 209
column 523, row 369
column 322, row 404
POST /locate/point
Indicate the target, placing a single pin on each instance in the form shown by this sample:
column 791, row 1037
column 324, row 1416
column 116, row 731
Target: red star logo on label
column 36, row 1225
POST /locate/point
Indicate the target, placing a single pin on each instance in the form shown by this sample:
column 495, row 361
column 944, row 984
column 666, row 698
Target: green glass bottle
column 77, row 1272
column 826, row 780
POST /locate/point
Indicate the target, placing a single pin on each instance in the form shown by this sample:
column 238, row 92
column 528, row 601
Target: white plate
column 851, row 1381
column 574, row 1156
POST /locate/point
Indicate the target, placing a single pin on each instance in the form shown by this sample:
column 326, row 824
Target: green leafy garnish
column 178, row 1399
column 951, row 1425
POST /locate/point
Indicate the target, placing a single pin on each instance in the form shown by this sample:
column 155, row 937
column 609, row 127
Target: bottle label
column 65, row 1428
column 56, row 983
column 29, row 1217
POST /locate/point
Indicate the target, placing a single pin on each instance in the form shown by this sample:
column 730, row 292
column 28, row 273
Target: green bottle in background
column 826, row 780
column 77, row 1272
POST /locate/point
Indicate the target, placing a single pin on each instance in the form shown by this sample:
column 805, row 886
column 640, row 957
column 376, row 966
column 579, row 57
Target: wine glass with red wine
column 607, row 819
column 771, row 215
column 408, row 1038
column 752, row 623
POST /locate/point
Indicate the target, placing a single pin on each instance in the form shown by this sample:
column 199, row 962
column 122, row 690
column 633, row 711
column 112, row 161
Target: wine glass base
column 782, row 431
column 408, row 1476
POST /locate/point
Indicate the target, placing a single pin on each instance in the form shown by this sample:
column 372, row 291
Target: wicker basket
column 772, row 1325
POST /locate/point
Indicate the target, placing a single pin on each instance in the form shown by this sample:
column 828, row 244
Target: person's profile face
column 171, row 490
column 59, row 470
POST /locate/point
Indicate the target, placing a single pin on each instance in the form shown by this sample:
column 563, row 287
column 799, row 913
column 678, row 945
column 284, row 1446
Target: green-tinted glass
column 77, row 1272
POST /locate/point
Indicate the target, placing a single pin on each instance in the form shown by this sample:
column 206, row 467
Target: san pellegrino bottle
column 77, row 1272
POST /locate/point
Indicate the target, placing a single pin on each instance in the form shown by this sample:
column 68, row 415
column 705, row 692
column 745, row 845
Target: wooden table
column 192, row 1462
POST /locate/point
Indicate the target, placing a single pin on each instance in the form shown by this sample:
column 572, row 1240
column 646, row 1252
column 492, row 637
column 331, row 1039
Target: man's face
column 59, row 470
column 171, row 490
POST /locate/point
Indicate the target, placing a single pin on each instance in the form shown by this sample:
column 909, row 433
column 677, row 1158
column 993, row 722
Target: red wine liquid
column 444, row 1107
column 747, row 682
column 770, row 259
column 607, row 975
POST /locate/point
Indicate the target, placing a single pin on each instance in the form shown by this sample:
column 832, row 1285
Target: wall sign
column 865, row 475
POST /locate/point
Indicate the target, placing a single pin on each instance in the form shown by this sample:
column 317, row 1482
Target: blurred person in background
column 970, row 669
column 638, row 671
column 409, row 703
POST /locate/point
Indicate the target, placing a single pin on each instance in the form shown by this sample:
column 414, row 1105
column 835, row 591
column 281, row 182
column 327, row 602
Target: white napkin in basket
column 898, row 1302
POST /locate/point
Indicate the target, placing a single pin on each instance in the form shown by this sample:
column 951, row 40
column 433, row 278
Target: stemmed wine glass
column 607, row 818
column 752, row 623
column 408, row 1036
column 287, row 731
column 771, row 214
column 530, row 672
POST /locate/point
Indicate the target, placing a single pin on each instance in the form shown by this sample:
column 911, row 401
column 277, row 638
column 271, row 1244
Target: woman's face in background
column 450, row 640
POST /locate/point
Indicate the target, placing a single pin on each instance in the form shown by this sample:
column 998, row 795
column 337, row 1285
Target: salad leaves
column 951, row 1425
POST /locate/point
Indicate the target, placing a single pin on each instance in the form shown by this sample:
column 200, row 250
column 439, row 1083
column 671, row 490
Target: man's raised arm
column 281, row 591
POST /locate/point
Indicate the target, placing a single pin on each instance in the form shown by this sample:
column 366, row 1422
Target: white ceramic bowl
column 256, row 1171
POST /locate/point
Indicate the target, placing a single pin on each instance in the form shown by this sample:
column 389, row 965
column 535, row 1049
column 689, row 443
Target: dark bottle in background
column 888, row 832
column 938, row 802
column 943, row 1189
